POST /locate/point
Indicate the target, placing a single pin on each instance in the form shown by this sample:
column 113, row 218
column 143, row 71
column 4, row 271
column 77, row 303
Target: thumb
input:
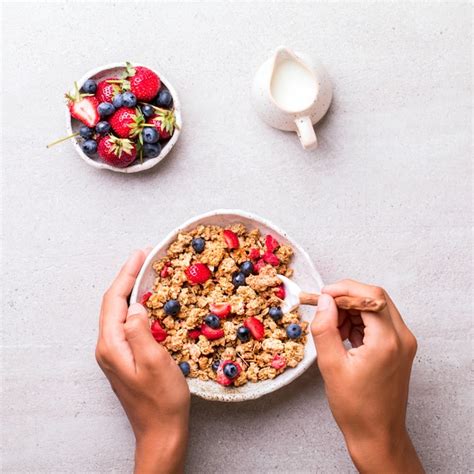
column 138, row 335
column 327, row 338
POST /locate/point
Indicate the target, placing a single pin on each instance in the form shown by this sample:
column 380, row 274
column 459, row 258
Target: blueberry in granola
column 215, row 365
column 247, row 268
column 172, row 307
column 275, row 313
column 198, row 244
column 238, row 279
column 243, row 334
column 230, row 370
column 185, row 368
column 294, row 331
column 212, row 321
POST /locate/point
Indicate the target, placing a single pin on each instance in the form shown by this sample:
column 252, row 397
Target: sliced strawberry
column 278, row 362
column 164, row 271
column 158, row 332
column 271, row 258
column 259, row 265
column 210, row 333
column 194, row 333
column 146, row 296
column 231, row 239
column 220, row 309
column 280, row 292
column 223, row 379
column 254, row 254
column 255, row 327
column 198, row 273
column 271, row 243
column 85, row 110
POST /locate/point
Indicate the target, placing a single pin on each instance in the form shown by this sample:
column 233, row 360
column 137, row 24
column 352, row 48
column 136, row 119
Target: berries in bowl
column 123, row 117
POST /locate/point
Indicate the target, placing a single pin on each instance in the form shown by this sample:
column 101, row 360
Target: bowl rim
column 149, row 163
column 308, row 359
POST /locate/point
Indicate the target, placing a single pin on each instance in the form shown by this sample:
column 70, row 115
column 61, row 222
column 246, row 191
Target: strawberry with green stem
column 118, row 152
column 164, row 121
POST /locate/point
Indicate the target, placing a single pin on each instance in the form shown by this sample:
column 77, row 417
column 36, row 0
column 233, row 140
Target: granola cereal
column 215, row 305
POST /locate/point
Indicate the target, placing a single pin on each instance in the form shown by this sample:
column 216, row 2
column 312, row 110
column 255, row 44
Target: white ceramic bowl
column 115, row 70
column 305, row 275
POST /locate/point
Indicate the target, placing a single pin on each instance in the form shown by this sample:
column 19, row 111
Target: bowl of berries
column 123, row 117
column 215, row 301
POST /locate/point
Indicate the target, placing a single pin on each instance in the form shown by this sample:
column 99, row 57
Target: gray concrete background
column 386, row 199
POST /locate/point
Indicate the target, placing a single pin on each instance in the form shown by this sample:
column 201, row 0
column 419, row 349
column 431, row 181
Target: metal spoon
column 294, row 297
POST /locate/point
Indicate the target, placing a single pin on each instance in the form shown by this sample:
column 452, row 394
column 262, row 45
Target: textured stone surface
column 386, row 198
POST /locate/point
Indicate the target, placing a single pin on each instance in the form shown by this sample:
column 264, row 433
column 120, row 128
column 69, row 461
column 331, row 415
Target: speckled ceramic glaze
column 305, row 275
column 273, row 114
column 115, row 70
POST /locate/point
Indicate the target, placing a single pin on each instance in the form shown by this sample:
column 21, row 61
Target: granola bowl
column 301, row 270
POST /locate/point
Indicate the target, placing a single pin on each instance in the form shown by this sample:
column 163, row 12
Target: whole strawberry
column 127, row 122
column 164, row 122
column 83, row 107
column 118, row 152
column 107, row 90
column 143, row 82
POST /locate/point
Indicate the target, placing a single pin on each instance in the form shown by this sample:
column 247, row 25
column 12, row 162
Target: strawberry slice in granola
column 231, row 239
column 158, row 332
column 220, row 309
column 255, row 327
column 211, row 333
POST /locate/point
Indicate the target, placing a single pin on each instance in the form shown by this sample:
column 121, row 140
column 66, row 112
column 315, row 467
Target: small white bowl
column 305, row 275
column 115, row 70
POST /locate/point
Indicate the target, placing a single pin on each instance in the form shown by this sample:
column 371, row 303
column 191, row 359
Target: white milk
column 292, row 86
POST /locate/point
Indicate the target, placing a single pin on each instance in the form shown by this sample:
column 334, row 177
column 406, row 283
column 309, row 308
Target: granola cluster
column 216, row 301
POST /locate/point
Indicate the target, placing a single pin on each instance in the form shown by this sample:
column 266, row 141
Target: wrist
column 162, row 449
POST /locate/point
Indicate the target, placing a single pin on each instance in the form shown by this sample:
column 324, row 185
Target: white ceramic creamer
column 292, row 92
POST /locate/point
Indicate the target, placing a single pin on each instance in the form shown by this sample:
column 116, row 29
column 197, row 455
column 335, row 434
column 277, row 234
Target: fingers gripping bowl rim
column 305, row 275
column 115, row 69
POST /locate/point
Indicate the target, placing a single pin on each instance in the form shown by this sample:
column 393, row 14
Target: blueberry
column 231, row 370
column 89, row 147
column 185, row 368
column 89, row 87
column 150, row 135
column 293, row 331
column 275, row 313
column 105, row 109
column 243, row 334
column 215, row 365
column 148, row 111
column 129, row 99
column 102, row 127
column 238, row 279
column 172, row 307
column 151, row 150
column 246, row 268
column 198, row 244
column 117, row 101
column 86, row 132
column 164, row 99
column 212, row 321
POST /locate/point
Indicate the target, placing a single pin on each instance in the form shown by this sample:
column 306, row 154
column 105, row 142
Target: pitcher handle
column 306, row 133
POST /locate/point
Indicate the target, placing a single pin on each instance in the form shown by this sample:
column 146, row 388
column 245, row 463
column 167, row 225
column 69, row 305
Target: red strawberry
column 278, row 362
column 194, row 333
column 164, row 271
column 255, row 327
column 271, row 243
column 221, row 377
column 146, row 296
column 254, row 254
column 127, row 122
column 271, row 258
column 220, row 309
column 116, row 151
column 164, row 122
column 259, row 265
column 143, row 82
column 280, row 292
column 198, row 273
column 83, row 107
column 158, row 332
column 210, row 333
column 106, row 91
column 231, row 239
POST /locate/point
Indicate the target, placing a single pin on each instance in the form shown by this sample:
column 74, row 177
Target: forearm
column 162, row 452
column 392, row 455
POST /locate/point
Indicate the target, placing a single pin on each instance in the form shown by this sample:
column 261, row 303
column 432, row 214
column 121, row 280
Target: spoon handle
column 360, row 303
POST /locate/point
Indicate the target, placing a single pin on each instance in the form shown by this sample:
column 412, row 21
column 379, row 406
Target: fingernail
column 135, row 308
column 323, row 302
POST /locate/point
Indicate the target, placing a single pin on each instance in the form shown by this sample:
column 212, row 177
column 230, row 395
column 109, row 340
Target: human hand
column 367, row 385
column 146, row 380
